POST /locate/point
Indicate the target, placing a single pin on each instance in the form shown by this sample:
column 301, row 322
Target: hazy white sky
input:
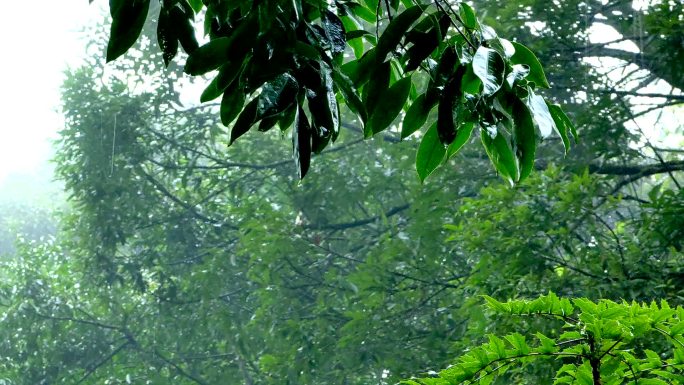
column 37, row 46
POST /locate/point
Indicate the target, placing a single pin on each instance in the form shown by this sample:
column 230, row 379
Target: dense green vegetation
column 185, row 260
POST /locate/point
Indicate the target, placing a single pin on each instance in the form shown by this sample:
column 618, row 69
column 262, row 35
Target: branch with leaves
column 602, row 342
column 291, row 64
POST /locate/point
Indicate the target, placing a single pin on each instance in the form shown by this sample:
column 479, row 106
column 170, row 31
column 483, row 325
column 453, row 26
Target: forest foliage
column 184, row 259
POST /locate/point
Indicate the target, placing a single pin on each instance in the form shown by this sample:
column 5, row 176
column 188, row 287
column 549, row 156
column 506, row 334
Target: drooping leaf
column 350, row 94
column 445, row 68
column 524, row 137
column 416, row 115
column 392, row 35
column 226, row 75
column 450, row 98
column 424, row 43
column 499, row 151
column 245, row 121
column 166, row 36
column 301, row 143
column 430, row 153
column 221, row 49
column 540, row 113
column 489, row 66
column 128, row 19
column 377, row 86
column 182, row 18
column 334, row 31
column 277, row 95
column 463, row 134
column 388, row 107
column 523, row 55
column 231, row 104
column 562, row 124
column 209, row 56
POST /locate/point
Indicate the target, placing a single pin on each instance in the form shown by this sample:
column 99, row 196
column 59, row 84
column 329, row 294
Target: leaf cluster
column 291, row 64
column 601, row 342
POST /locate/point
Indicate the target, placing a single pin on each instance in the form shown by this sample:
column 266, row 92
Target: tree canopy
column 290, row 63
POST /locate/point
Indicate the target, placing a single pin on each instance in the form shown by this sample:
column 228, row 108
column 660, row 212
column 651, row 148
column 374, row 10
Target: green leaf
column 676, row 329
column 449, row 100
column 468, row 16
column 463, row 134
column 546, row 344
column 277, row 95
column 128, row 19
column 392, row 35
column 209, row 56
column 231, row 105
column 424, row 43
column 652, row 381
column 219, row 50
column 518, row 73
column 334, row 31
column 196, row 5
column 301, row 143
column 227, row 74
column 523, row 55
column 489, row 66
column 377, row 86
column 562, row 124
column 183, row 24
column 430, row 153
column 416, row 116
column 166, row 37
column 499, row 152
column 540, row 113
column 325, row 117
column 495, row 305
column 350, row 94
column 518, row 342
column 245, row 121
column 524, row 138
column 388, row 107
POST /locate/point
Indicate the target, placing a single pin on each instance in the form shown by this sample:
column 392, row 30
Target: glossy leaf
column 518, row 73
column 377, row 86
column 541, row 114
column 499, row 151
column 301, row 143
column 350, row 94
column 523, row 55
column 563, row 125
column 334, row 31
column 277, row 95
column 430, row 153
column 489, row 66
column 245, row 121
column 463, row 134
